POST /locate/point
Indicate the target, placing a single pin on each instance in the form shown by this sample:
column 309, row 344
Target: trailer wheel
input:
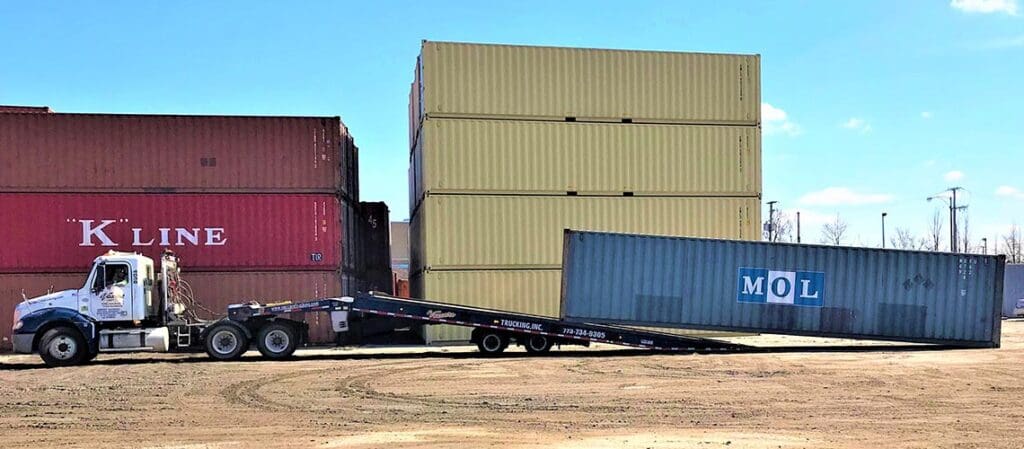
column 537, row 344
column 62, row 346
column 492, row 342
column 277, row 341
column 226, row 342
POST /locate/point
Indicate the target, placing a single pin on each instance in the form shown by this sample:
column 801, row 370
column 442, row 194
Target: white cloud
column 857, row 124
column 810, row 218
column 775, row 121
column 986, row 6
column 930, row 163
column 926, row 115
column 843, row 196
column 954, row 175
column 1010, row 192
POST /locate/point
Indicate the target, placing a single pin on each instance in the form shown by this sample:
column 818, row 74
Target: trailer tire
column 226, row 342
column 277, row 341
column 63, row 346
column 491, row 342
column 537, row 344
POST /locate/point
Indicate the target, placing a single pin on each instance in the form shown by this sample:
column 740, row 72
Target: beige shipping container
column 471, row 232
column 533, row 157
column 460, row 80
column 536, row 292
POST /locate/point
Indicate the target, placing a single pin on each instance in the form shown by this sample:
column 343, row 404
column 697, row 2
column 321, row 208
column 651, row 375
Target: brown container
column 25, row 109
column 213, row 292
column 401, row 288
column 173, row 153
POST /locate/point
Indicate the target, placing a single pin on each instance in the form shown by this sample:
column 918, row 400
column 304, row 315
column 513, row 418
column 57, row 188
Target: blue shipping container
column 781, row 288
column 1013, row 290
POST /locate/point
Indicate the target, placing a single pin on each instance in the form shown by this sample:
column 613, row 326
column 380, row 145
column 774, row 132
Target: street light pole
column 883, row 228
column 984, row 245
column 798, row 227
column 771, row 220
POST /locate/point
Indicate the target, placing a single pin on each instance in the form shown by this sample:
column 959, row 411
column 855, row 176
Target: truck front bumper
column 22, row 343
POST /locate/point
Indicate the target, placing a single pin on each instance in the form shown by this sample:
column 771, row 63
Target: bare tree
column 1012, row 243
column 964, row 231
column 934, row 240
column 833, row 232
column 904, row 239
column 782, row 225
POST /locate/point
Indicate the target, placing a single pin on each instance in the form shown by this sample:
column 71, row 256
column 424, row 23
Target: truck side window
column 99, row 279
column 116, row 275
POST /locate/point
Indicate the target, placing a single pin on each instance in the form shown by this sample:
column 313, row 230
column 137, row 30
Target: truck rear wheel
column 537, row 344
column 490, row 342
column 226, row 342
column 277, row 341
column 62, row 346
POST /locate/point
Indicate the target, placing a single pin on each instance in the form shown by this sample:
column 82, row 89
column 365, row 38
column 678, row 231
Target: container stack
column 510, row 145
column 258, row 208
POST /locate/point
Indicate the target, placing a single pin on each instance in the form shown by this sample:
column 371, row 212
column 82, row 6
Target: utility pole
column 798, row 226
column 771, row 220
column 883, row 228
column 953, row 247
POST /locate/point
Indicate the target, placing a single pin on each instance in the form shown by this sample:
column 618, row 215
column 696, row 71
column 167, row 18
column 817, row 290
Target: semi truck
column 129, row 304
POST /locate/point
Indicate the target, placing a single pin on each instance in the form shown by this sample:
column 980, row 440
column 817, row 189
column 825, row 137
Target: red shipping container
column 183, row 154
column 230, row 232
column 212, row 291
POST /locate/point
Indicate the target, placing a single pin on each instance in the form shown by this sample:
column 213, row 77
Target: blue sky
column 874, row 105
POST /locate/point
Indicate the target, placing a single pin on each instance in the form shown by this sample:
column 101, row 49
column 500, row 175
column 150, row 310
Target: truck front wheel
column 277, row 341
column 62, row 346
column 226, row 342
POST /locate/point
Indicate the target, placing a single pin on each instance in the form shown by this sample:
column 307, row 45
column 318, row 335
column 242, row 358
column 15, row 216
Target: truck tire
column 277, row 341
column 226, row 342
column 491, row 342
column 537, row 344
column 62, row 346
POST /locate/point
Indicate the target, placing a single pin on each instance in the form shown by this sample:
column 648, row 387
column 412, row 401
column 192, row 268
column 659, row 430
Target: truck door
column 112, row 294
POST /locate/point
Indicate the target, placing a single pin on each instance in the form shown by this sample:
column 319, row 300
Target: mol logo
column 798, row 288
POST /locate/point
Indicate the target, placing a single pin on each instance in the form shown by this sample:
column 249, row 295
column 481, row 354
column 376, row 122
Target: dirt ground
column 825, row 396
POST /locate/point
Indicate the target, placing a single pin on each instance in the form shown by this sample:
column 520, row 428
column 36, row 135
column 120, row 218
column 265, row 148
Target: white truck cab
column 116, row 309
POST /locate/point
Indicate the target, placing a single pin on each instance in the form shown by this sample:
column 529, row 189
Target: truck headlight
column 18, row 324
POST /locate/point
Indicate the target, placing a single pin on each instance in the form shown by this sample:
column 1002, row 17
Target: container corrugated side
column 535, row 292
column 156, row 153
column 495, row 81
column 481, row 232
column 375, row 238
column 50, row 232
column 214, row 291
column 783, row 288
column 1013, row 289
column 530, row 157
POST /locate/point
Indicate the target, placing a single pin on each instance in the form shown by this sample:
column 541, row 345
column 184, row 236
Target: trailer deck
column 535, row 332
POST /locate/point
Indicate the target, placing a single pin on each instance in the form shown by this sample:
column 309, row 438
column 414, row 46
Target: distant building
column 400, row 248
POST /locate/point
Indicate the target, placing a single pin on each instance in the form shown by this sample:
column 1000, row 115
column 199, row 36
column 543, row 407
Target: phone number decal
column 586, row 333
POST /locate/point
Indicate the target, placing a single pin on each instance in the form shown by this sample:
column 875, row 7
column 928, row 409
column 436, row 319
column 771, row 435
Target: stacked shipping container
column 509, row 145
column 260, row 208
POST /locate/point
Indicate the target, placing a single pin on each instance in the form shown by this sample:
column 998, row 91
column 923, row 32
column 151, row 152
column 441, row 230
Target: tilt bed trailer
column 124, row 307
